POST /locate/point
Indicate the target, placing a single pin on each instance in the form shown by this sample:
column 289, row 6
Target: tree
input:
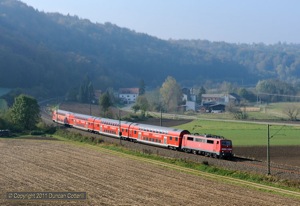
column 199, row 96
column 247, row 95
column 86, row 91
column 91, row 92
column 105, row 102
column 72, row 94
column 143, row 104
column 135, row 108
column 142, row 87
column 292, row 111
column 275, row 90
column 25, row 112
column 171, row 94
column 237, row 112
column 81, row 94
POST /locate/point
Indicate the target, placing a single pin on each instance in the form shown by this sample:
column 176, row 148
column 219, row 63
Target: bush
column 79, row 137
column 37, row 132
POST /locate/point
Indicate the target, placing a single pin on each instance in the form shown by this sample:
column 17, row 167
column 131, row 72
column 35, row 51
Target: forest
column 49, row 54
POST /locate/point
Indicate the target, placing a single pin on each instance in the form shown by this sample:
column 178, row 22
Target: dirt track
column 44, row 165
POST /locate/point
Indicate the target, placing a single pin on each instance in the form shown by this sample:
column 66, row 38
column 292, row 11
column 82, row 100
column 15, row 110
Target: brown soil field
column 58, row 166
column 288, row 155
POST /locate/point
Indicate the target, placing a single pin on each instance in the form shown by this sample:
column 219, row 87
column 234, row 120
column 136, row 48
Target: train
column 172, row 138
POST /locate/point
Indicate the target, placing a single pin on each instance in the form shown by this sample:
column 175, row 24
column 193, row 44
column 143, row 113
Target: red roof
column 128, row 90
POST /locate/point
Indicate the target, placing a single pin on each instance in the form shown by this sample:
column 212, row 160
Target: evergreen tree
column 105, row 102
column 142, row 87
column 86, row 91
column 91, row 92
column 199, row 96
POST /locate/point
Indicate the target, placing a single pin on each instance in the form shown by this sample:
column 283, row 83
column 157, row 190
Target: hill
column 49, row 54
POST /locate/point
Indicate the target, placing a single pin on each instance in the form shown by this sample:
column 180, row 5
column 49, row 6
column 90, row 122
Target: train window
column 134, row 132
column 226, row 143
column 176, row 139
column 190, row 138
column 210, row 141
column 170, row 138
column 198, row 140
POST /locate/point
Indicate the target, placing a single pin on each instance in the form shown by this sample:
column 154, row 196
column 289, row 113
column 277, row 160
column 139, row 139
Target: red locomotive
column 182, row 140
column 208, row 145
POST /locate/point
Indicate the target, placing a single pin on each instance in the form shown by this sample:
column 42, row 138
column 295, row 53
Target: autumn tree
column 171, row 94
column 25, row 112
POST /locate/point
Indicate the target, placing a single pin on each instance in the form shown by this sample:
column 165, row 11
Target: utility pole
column 268, row 146
column 90, row 102
column 90, row 109
column 120, row 133
column 160, row 116
column 268, row 151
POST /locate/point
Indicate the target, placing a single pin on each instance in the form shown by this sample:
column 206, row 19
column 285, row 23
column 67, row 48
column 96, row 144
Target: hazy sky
column 237, row 21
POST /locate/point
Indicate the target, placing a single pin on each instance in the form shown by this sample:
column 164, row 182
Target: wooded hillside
column 49, row 54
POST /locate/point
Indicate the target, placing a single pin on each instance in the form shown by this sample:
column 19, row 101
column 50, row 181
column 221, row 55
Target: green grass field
column 247, row 134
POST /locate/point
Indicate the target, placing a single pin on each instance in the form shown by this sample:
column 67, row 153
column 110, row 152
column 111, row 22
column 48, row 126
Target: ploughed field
column 286, row 155
column 29, row 165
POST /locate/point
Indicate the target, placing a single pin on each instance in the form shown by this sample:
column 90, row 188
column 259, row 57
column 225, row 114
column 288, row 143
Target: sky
column 233, row 21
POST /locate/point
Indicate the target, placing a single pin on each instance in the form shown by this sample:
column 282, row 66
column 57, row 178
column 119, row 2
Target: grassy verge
column 204, row 167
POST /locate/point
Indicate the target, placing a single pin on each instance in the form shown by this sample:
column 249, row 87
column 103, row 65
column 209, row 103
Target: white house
column 190, row 103
column 128, row 95
column 218, row 98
